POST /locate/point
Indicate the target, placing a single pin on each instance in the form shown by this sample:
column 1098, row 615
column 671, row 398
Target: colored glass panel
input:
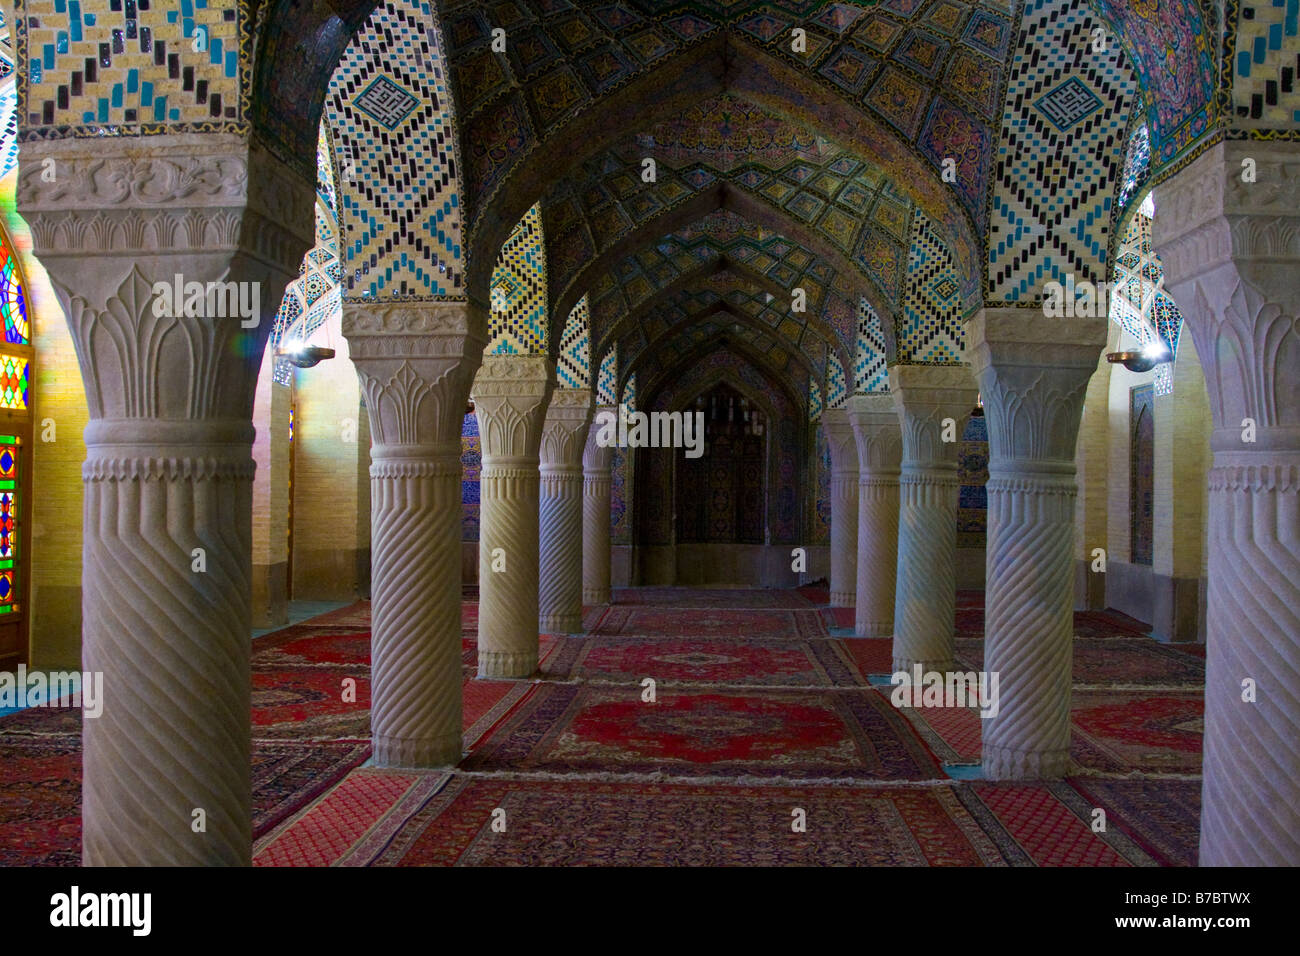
column 14, row 379
column 13, row 302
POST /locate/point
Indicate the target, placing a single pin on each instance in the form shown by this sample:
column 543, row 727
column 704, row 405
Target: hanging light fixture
column 302, row 355
column 1144, row 360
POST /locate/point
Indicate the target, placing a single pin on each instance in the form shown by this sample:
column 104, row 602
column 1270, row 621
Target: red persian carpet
column 717, row 622
column 751, row 661
column 757, row 713
column 829, row 735
column 564, row 823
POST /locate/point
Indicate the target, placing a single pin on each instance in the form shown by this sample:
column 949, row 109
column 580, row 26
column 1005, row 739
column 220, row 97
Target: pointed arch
column 518, row 325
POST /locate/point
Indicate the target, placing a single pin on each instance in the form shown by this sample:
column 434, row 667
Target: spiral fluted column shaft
column 933, row 403
column 1251, row 799
column 1033, row 374
column 925, row 601
column 596, row 488
column 880, row 447
column 844, row 505
column 415, row 623
column 166, row 612
column 415, row 361
column 1029, row 623
column 559, row 587
column 511, row 393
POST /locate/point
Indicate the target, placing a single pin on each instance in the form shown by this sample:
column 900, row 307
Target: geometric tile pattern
column 314, row 299
column 573, row 370
column 125, row 65
column 814, row 400
column 518, row 323
column 1139, row 303
column 729, row 140
column 931, row 329
column 629, row 393
column 1137, row 166
column 836, row 392
column 1068, row 104
column 607, row 379
column 8, row 110
column 639, row 278
column 870, row 373
column 1173, row 46
column 1062, row 151
column 562, row 57
column 389, row 111
column 1266, row 68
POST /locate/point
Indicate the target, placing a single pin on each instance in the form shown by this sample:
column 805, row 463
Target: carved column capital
column 840, row 439
column 564, row 430
column 416, row 361
column 1033, row 374
column 878, row 433
column 925, row 395
column 511, row 394
column 597, row 459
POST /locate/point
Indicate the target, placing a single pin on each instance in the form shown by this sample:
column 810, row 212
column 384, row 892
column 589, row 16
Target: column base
column 507, row 663
column 843, row 598
column 863, row 628
column 937, row 666
column 1000, row 763
column 597, row 596
column 418, row 752
column 560, row 624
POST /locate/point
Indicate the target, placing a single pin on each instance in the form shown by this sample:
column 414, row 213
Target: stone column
column 880, row 451
column 511, row 393
column 559, row 588
column 933, row 403
column 168, row 475
column 1230, row 250
column 844, row 505
column 1033, row 374
column 596, row 489
column 416, row 361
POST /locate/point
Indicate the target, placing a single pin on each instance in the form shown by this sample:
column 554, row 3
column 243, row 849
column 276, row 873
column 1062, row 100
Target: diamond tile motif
column 387, row 102
column 1068, row 104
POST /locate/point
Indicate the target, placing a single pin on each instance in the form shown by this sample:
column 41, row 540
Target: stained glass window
column 1139, row 303
column 10, row 449
column 13, row 303
column 14, row 371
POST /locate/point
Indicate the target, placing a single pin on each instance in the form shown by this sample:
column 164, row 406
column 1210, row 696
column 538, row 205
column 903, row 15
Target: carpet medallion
column 586, row 729
column 1136, row 730
column 730, row 622
column 751, row 661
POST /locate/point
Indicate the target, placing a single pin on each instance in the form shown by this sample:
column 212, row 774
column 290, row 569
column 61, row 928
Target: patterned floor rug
column 1122, row 731
column 40, row 791
column 670, row 661
column 704, row 622
column 1119, row 662
column 568, row 823
column 712, row 598
column 1161, row 816
column 355, row 615
column 588, row 729
column 1048, row 825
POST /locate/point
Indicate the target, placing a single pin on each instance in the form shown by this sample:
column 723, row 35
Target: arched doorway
column 721, row 494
